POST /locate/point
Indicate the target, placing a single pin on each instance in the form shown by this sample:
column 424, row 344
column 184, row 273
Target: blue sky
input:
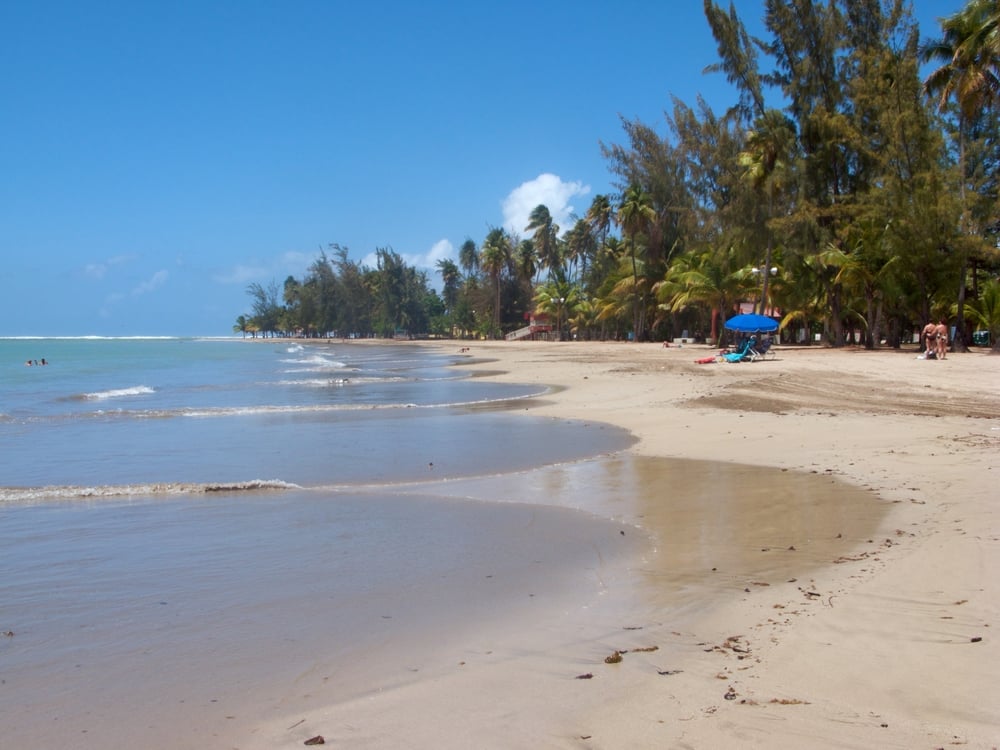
column 158, row 157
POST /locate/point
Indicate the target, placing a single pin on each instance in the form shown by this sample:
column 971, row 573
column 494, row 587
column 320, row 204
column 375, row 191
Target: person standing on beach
column 930, row 339
column 941, row 331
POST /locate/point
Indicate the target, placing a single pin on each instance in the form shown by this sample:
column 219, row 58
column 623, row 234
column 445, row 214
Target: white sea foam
column 28, row 495
column 136, row 390
column 315, row 363
column 91, row 338
column 322, row 382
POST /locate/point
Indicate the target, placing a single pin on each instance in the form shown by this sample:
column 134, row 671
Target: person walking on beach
column 930, row 339
column 941, row 342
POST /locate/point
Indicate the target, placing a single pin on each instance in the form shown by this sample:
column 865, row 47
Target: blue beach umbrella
column 751, row 323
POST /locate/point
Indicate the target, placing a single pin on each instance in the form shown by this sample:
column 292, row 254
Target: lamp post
column 765, row 274
column 560, row 300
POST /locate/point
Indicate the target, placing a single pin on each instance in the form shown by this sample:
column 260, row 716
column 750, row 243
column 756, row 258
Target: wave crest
column 26, row 495
column 135, row 390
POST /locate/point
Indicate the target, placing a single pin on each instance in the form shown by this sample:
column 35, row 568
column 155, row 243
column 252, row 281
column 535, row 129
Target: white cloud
column 109, row 303
column 294, row 262
column 157, row 280
column 548, row 190
column 291, row 263
column 423, row 261
column 113, row 299
column 242, row 274
column 439, row 251
column 99, row 269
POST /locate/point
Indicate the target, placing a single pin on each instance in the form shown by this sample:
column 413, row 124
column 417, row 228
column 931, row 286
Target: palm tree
column 599, row 217
column 494, row 258
column 450, row 278
column 241, row 325
column 526, row 263
column 986, row 311
column 546, row 238
column 635, row 214
column 581, row 246
column 582, row 319
column 559, row 297
column 969, row 51
column 468, row 257
column 969, row 74
column 616, row 302
column 705, row 278
column 868, row 269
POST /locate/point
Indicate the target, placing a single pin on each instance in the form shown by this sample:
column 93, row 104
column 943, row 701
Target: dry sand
column 879, row 631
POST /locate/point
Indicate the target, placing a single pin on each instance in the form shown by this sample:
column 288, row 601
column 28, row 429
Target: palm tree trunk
column 635, row 295
column 959, row 342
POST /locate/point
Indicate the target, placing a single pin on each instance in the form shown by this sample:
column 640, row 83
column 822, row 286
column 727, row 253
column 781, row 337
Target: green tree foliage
column 986, row 311
column 495, row 258
column 873, row 193
column 546, row 239
column 266, row 307
column 340, row 297
column 635, row 216
column 968, row 78
column 450, row 279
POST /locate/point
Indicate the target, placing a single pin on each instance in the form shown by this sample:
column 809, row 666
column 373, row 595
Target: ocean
column 113, row 416
column 194, row 530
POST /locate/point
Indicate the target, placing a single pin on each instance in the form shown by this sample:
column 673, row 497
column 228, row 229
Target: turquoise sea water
column 193, row 530
column 109, row 416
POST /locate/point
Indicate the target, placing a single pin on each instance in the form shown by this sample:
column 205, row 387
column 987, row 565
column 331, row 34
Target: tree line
column 341, row 297
column 842, row 193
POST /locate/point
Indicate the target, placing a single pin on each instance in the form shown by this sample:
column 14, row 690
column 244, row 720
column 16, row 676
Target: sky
column 156, row 158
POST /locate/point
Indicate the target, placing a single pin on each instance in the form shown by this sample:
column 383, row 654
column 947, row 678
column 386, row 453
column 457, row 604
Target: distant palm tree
column 866, row 269
column 600, row 216
column 581, row 246
column 241, row 325
column 494, row 258
column 545, row 237
column 616, row 304
column 559, row 298
column 969, row 53
column 450, row 278
column 468, row 257
column 582, row 319
column 526, row 262
column 635, row 214
column 986, row 311
column 704, row 278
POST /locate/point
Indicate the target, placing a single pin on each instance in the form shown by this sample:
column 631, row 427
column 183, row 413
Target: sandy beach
column 863, row 618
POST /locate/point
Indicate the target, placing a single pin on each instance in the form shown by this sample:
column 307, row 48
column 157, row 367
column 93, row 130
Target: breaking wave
column 136, row 390
column 27, row 495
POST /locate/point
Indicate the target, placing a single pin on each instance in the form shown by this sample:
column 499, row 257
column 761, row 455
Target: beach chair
column 762, row 351
column 742, row 353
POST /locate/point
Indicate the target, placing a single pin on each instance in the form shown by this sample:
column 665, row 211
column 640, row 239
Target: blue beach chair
column 742, row 353
column 762, row 350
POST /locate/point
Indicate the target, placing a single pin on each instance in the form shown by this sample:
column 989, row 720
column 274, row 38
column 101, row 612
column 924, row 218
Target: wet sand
column 176, row 623
column 841, row 595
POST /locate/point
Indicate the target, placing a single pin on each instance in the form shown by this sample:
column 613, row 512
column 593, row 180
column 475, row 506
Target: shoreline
column 888, row 644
